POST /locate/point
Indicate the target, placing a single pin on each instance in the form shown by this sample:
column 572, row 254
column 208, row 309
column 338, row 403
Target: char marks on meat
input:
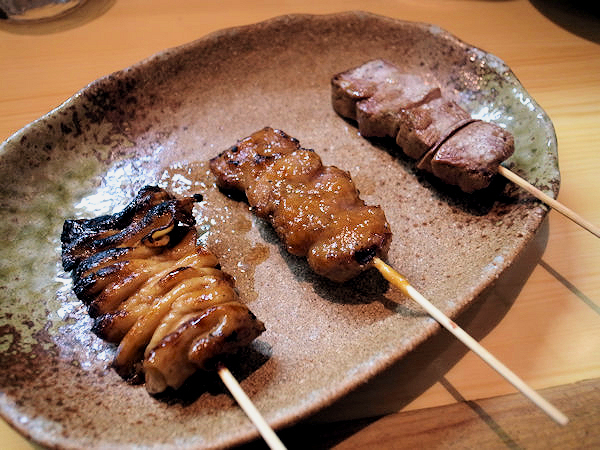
column 314, row 209
column 155, row 291
column 385, row 102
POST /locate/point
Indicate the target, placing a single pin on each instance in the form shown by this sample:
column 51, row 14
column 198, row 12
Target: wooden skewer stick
column 549, row 200
column 246, row 404
column 401, row 283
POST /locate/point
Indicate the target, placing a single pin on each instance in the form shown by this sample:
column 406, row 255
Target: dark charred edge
column 83, row 283
column 235, row 148
column 86, row 244
column 103, row 326
column 284, row 135
column 154, row 202
column 134, row 373
column 86, row 288
column 365, row 256
column 74, row 228
column 232, row 149
column 105, row 256
column 146, row 198
column 174, row 274
column 102, row 304
column 260, row 159
column 234, row 194
column 73, row 231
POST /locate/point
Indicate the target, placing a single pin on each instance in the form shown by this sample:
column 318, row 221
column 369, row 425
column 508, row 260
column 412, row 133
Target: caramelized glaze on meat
column 314, row 209
column 436, row 131
column 153, row 290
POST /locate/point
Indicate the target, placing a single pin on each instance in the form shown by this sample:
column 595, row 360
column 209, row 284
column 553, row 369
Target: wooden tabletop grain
column 440, row 395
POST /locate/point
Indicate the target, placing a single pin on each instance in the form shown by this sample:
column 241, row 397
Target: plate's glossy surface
column 159, row 122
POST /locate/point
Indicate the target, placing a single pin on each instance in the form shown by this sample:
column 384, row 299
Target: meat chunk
column 153, row 290
column 388, row 103
column 469, row 158
column 314, row 209
column 353, row 85
column 424, row 126
column 375, row 94
column 380, row 114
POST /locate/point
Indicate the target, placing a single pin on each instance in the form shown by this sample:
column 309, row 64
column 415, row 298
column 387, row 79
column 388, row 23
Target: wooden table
column 550, row 335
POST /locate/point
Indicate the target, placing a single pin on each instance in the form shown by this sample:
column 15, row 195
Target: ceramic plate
column 159, row 122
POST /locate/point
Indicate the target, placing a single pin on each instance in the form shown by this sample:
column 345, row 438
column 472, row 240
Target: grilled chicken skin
column 155, row 291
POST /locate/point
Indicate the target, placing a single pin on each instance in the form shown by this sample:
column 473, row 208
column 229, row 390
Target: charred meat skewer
column 153, row 290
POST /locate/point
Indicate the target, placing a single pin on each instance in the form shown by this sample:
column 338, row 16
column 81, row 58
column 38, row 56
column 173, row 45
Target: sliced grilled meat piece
column 470, row 157
column 380, row 114
column 426, row 125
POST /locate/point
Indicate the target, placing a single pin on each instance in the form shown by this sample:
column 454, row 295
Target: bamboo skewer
column 401, row 283
column 549, row 200
column 253, row 414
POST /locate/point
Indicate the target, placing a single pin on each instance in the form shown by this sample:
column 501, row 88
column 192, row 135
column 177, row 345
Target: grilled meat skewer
column 315, row 209
column 436, row 131
column 153, row 290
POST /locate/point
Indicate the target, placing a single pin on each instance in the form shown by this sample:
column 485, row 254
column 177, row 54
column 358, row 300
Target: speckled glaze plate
column 159, row 122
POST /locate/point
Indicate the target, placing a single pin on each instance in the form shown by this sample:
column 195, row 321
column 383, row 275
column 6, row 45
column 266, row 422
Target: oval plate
column 159, row 122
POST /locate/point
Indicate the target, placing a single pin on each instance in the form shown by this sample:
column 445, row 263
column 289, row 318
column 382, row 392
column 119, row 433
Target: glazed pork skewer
column 314, row 209
column 154, row 291
column 317, row 213
column 443, row 137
